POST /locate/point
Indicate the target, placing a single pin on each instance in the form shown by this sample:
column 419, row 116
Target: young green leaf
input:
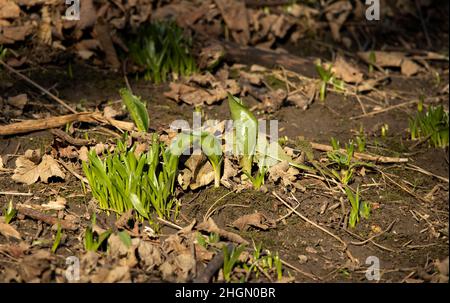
column 136, row 108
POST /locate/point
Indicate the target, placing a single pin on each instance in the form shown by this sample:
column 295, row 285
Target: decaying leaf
column 27, row 172
column 391, row 59
column 283, row 172
column 149, row 254
column 9, row 231
column 58, row 204
column 346, row 71
column 258, row 220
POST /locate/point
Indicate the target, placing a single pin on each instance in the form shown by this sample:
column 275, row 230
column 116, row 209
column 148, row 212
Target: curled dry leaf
column 257, row 220
column 9, row 9
column 284, row 172
column 9, row 231
column 391, row 59
column 27, row 172
column 149, row 254
column 346, row 71
column 18, row 101
column 69, row 152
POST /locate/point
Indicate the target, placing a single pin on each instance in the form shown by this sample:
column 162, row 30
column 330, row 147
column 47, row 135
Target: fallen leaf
column 27, row 172
column 69, row 152
column 58, row 204
column 9, row 9
column 409, row 68
column 283, row 172
column 346, row 71
column 234, row 14
column 149, row 254
column 9, row 231
column 257, row 220
column 18, row 101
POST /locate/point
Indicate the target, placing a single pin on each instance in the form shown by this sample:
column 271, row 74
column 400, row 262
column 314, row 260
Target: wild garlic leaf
column 136, row 108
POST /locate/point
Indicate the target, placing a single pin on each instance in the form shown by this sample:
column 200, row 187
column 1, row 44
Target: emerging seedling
column 9, row 212
column 246, row 128
column 327, row 77
column 57, row 239
column 359, row 208
column 213, row 150
column 431, row 126
column 230, row 260
column 136, row 108
column 163, row 50
column 92, row 240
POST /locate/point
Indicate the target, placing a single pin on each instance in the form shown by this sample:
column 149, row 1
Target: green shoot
column 163, row 50
column 136, row 108
column 246, row 128
column 213, row 150
column 431, row 126
column 372, row 61
column 124, row 181
column 57, row 239
column 258, row 180
column 3, row 52
column 9, row 212
column 361, row 140
column 359, row 208
column 92, row 240
column 384, row 129
column 327, row 77
column 230, row 260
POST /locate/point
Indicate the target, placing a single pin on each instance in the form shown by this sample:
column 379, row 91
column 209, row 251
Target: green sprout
column 384, row 129
column 92, row 240
column 136, row 108
column 431, row 126
column 3, row 52
column 162, row 49
column 327, row 77
column 57, row 239
column 258, row 180
column 246, row 128
column 10, row 212
column 231, row 260
column 124, row 181
column 361, row 140
column 359, row 208
column 213, row 150
column 372, row 61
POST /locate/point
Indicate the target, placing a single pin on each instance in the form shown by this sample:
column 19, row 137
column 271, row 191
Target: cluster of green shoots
column 359, row 208
column 327, row 77
column 266, row 263
column 343, row 165
column 124, row 180
column 430, row 125
column 163, row 50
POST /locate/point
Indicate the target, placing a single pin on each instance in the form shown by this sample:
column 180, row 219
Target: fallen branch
column 54, row 122
column 69, row 139
column 37, row 215
column 361, row 156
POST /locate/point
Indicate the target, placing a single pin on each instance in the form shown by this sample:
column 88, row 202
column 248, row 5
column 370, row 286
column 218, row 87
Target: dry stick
column 37, row 215
column 425, row 172
column 361, row 156
column 306, row 274
column 54, row 122
column 377, row 235
column 69, row 139
column 213, row 266
column 10, row 193
column 309, row 221
column 376, row 112
column 64, row 104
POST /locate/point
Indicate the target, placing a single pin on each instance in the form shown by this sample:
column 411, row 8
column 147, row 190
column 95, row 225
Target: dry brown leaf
column 346, row 71
column 27, row 172
column 257, row 220
column 336, row 14
column 211, row 227
column 69, row 152
column 118, row 274
column 235, row 15
column 83, row 153
column 34, row 266
column 149, row 254
column 284, row 172
column 409, row 68
column 18, row 101
column 204, row 176
column 9, row 9
column 58, row 204
column 9, row 231
column 273, row 100
column 12, row 34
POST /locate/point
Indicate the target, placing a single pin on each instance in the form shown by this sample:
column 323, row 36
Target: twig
column 376, row 112
column 69, row 139
column 37, row 215
column 168, row 223
column 425, row 172
column 377, row 235
column 210, row 211
column 10, row 193
column 309, row 221
column 64, row 104
column 361, row 156
column 311, row 276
